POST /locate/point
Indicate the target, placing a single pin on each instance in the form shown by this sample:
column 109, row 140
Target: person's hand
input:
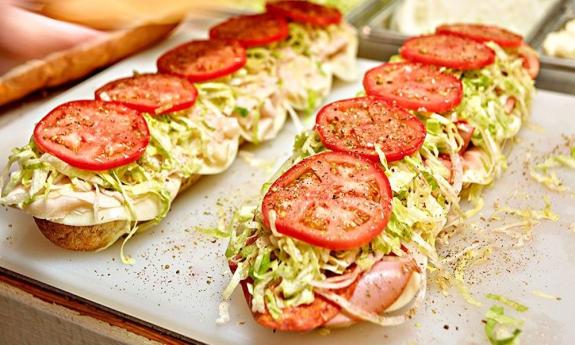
column 25, row 35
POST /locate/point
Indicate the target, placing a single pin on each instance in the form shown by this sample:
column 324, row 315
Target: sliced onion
column 381, row 320
column 360, row 313
column 339, row 281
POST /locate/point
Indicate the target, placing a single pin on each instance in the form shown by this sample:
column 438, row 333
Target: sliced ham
column 446, row 161
column 473, row 160
column 379, row 289
column 466, row 132
column 509, row 105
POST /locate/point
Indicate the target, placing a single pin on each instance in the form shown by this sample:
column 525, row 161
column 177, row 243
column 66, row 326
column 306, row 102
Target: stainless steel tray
column 557, row 22
column 379, row 42
column 382, row 21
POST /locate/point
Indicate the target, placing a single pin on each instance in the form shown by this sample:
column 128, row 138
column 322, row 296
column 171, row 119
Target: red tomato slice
column 203, row 60
column 530, row 60
column 358, row 125
column 150, row 93
column 332, row 200
column 253, row 30
column 482, row 33
column 447, row 51
column 305, row 12
column 93, row 135
column 414, row 86
column 466, row 131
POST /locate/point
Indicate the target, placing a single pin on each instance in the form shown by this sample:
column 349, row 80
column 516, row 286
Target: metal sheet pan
column 379, row 42
column 381, row 22
column 179, row 274
column 557, row 21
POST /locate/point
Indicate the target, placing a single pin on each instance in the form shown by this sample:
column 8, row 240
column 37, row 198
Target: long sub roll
column 346, row 229
column 81, row 176
column 71, row 64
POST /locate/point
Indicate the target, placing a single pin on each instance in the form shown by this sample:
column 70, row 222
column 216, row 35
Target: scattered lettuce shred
column 521, row 231
column 469, row 257
column 545, row 295
column 545, row 173
column 509, row 302
column 546, row 213
column 502, row 329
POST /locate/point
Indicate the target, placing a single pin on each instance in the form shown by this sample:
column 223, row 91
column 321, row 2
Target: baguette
column 91, row 237
column 61, row 67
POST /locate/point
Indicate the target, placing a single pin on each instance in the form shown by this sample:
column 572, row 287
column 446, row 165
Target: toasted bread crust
column 61, row 67
column 81, row 238
column 91, row 237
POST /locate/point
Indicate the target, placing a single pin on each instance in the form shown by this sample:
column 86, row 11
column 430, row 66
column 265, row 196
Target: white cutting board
column 179, row 274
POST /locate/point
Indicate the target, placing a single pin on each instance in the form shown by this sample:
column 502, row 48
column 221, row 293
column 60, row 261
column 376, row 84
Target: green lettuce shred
column 509, row 302
column 502, row 329
column 545, row 174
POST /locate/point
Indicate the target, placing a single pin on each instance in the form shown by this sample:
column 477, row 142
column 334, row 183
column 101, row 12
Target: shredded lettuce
column 521, row 231
column 486, row 92
column 502, row 329
column 469, row 257
column 254, row 94
column 545, row 295
column 530, row 214
column 509, row 302
column 545, row 174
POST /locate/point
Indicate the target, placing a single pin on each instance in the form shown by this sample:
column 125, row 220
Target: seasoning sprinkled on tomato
column 200, row 61
column 332, row 200
column 482, row 33
column 150, row 93
column 93, row 135
column 414, row 86
column 447, row 51
column 305, row 12
column 359, row 125
column 253, row 30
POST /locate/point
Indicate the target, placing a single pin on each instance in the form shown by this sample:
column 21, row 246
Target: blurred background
column 31, row 30
column 34, row 28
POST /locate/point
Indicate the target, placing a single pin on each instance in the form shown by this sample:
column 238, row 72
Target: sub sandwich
column 345, row 231
column 97, row 170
